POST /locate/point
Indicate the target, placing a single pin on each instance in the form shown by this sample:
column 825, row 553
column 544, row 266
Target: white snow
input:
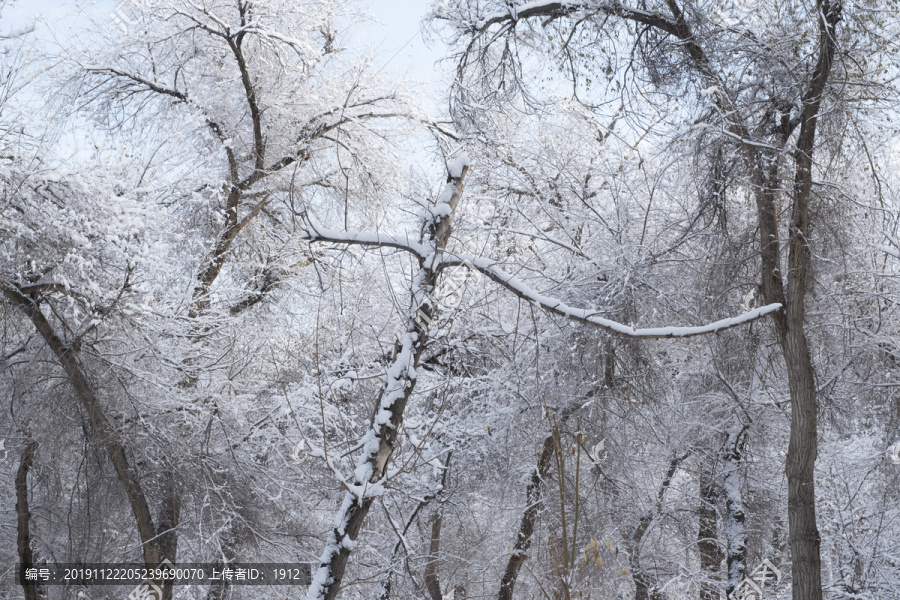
column 555, row 305
column 364, row 238
column 456, row 167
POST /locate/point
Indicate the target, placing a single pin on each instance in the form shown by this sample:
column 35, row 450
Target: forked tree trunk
column 380, row 440
column 789, row 325
column 158, row 544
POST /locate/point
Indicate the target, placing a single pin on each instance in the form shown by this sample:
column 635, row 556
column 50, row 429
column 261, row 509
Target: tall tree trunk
column 802, row 448
column 157, row 544
column 533, row 503
column 432, row 581
column 32, row 590
column 735, row 533
column 381, row 438
column 707, row 535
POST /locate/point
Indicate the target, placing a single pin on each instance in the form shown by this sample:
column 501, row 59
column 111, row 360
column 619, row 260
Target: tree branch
column 591, row 317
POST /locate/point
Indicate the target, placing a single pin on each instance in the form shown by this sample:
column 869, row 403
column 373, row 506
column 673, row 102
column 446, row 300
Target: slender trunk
column 23, row 513
column 533, row 503
column 707, row 535
column 644, row 588
column 735, row 533
column 432, row 581
column 386, row 584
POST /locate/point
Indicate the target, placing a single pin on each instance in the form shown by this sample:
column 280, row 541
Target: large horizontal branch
column 522, row 290
column 562, row 9
column 592, row 317
column 353, row 237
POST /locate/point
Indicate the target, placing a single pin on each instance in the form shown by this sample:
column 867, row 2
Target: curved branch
column 592, row 317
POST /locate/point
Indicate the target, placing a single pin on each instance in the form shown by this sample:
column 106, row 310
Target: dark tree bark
column 533, row 504
column 32, row 590
column 735, row 534
column 762, row 163
column 432, row 581
column 789, row 325
column 711, row 554
column 158, row 544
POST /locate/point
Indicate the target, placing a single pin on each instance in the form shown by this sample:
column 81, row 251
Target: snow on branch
column 378, row 443
column 890, row 251
column 524, row 291
column 364, row 238
column 592, row 317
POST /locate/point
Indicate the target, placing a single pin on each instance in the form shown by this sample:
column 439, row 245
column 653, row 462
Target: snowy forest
column 615, row 317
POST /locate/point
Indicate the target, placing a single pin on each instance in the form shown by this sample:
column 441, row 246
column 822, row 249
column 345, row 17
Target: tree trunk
column 707, row 535
column 802, row 448
column 644, row 588
column 735, row 534
column 432, row 581
column 381, row 439
column 157, row 544
column 33, row 591
column 533, row 503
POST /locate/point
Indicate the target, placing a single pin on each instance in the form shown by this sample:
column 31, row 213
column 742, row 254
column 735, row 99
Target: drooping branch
column 591, row 317
column 524, row 291
column 677, row 28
